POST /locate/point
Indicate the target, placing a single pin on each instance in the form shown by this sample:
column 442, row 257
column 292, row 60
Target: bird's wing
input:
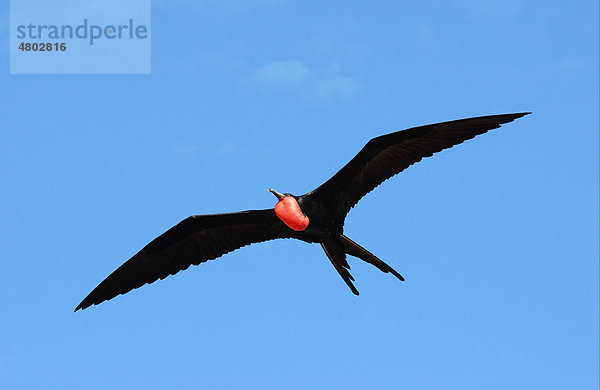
column 194, row 240
column 387, row 155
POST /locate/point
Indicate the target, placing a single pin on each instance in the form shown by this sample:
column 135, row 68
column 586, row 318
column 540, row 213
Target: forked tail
column 353, row 249
column 336, row 251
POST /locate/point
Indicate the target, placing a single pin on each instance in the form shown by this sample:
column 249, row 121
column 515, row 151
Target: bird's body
column 315, row 217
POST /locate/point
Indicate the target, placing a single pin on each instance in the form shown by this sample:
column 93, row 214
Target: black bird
column 316, row 217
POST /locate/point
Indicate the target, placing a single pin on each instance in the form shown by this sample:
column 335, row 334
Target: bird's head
column 289, row 211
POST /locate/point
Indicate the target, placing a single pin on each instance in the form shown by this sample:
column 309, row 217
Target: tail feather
column 353, row 249
column 335, row 252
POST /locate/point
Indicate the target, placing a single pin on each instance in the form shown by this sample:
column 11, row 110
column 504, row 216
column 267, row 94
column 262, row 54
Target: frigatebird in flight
column 315, row 217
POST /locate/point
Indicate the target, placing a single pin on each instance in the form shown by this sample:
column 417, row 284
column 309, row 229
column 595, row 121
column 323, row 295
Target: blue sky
column 497, row 238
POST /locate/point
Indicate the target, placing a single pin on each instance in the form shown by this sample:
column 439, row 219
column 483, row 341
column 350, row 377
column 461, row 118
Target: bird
column 315, row 217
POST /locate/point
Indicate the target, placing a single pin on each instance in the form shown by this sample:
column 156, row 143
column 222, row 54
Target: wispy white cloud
column 333, row 85
column 294, row 76
column 281, row 74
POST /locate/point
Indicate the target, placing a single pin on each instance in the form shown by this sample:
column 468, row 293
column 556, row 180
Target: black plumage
column 205, row 237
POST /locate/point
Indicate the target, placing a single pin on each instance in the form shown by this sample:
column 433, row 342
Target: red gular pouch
column 289, row 211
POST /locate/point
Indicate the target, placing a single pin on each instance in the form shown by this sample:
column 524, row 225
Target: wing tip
column 521, row 114
column 513, row 116
column 396, row 274
column 82, row 306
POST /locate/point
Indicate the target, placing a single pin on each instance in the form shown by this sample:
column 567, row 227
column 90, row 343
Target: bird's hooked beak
column 277, row 194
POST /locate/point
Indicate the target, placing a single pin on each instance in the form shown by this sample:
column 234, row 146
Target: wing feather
column 194, row 240
column 385, row 156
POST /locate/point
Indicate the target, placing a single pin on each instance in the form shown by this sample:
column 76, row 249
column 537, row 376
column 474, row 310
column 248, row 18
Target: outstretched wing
column 387, row 155
column 194, row 240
